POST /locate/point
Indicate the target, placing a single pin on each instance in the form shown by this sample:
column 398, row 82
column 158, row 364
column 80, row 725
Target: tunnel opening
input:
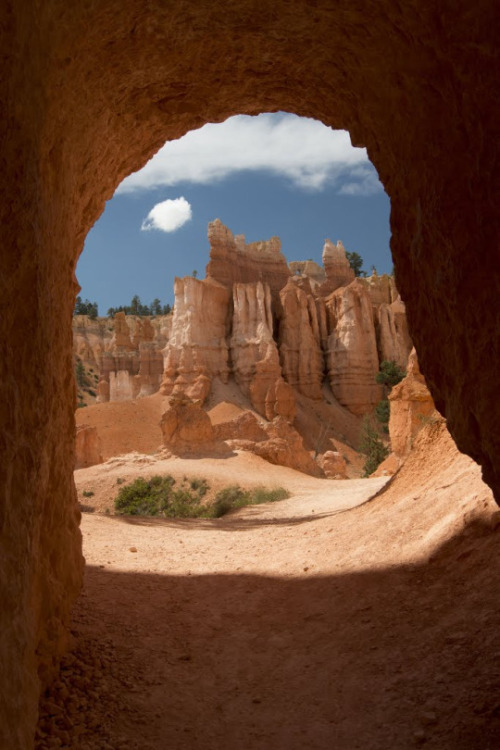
column 280, row 171
column 416, row 89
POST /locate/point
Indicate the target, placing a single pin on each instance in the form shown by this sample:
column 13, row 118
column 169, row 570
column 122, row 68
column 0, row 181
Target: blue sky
column 261, row 176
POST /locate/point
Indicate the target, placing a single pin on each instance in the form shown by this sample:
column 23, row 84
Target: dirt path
column 308, row 623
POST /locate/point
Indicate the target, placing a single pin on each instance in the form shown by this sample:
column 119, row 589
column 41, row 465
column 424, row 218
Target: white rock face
column 197, row 350
column 254, row 353
column 352, row 356
column 121, row 386
column 300, row 341
column 393, row 337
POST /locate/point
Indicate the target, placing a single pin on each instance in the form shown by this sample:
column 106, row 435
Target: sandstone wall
column 300, row 342
column 131, row 364
column 393, row 338
column 254, row 353
column 352, row 357
column 233, row 261
column 337, row 269
column 411, row 407
column 197, row 349
column 83, row 110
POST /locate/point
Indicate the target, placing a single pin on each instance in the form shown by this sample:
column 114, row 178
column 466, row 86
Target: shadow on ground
column 392, row 658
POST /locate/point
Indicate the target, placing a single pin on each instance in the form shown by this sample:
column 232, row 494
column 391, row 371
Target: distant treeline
column 135, row 308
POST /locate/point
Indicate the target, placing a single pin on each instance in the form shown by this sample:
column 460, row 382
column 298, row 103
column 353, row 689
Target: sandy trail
column 308, row 623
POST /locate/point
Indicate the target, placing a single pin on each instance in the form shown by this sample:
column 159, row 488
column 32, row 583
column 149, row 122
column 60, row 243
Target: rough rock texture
column 254, row 353
column 243, row 427
column 87, row 447
column 92, row 338
column 333, row 464
column 277, row 442
column 382, row 289
column 279, row 345
column 233, row 261
column 285, row 447
column 337, row 269
column 314, row 272
column 197, row 349
column 411, row 407
column 300, row 342
column 352, row 356
column 186, row 428
column 393, row 338
column 121, row 341
column 129, row 365
column 415, row 83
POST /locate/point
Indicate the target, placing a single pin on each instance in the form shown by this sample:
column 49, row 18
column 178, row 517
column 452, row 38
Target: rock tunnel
column 92, row 89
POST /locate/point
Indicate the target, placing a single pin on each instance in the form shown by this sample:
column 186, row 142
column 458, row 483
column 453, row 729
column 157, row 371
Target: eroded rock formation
column 186, row 428
column 131, row 364
column 338, row 272
column 301, row 356
column 285, row 336
column 411, row 406
column 197, row 349
column 233, row 261
column 352, row 356
column 65, row 152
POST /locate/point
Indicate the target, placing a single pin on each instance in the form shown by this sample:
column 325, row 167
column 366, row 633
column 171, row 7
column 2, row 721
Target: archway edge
column 94, row 88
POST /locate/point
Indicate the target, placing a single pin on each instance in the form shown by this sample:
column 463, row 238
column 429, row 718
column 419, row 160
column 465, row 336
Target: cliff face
column 300, row 341
column 352, row 356
column 197, row 349
column 279, row 331
column 123, row 354
column 411, row 407
column 233, row 261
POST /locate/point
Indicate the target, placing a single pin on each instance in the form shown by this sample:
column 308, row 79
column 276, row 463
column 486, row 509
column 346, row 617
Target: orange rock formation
column 415, row 83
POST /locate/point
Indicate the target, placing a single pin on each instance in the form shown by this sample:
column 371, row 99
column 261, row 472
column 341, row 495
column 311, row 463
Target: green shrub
column 382, row 412
column 199, row 485
column 159, row 496
column 373, row 448
column 390, row 374
column 233, row 497
column 88, row 493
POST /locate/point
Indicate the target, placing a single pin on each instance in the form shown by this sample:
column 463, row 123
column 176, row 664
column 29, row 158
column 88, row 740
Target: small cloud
column 168, row 216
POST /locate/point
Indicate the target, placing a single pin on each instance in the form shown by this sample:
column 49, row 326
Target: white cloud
column 308, row 153
column 168, row 216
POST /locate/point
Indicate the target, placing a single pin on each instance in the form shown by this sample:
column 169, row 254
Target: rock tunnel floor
column 280, row 627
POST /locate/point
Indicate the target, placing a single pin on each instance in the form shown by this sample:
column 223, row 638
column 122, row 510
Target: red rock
column 87, row 447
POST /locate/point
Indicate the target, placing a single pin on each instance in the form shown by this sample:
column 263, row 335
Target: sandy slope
column 303, row 624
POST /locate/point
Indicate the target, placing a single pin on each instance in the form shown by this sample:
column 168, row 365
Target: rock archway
column 92, row 89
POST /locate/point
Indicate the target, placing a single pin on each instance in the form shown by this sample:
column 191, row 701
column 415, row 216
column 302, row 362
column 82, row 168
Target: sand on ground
column 328, row 620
